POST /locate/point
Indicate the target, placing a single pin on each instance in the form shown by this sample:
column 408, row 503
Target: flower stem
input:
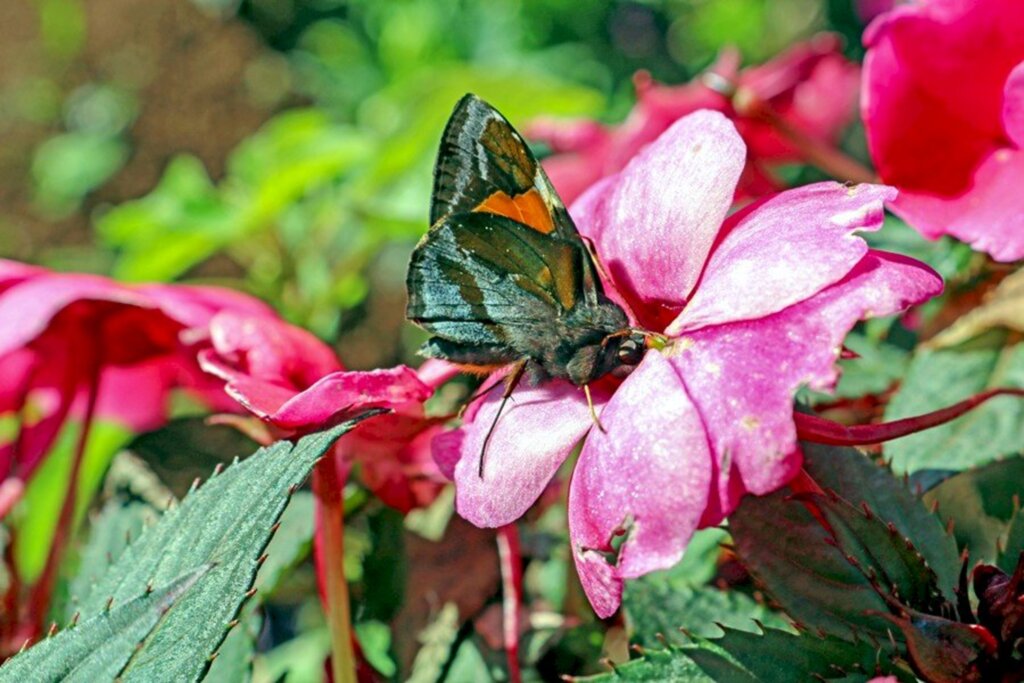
column 819, row 430
column 510, row 557
column 329, row 551
column 42, row 590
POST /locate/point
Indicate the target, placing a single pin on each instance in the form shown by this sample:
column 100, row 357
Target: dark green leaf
column 225, row 524
column 979, row 504
column 861, row 482
column 99, row 647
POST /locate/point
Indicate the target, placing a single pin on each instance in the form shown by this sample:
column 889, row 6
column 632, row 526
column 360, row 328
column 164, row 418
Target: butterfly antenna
column 510, row 385
column 593, row 410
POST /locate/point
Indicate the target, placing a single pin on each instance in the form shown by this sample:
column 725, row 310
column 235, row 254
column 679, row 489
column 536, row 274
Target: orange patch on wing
column 527, row 208
column 481, row 370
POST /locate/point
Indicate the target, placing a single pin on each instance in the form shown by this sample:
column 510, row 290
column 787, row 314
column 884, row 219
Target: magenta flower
column 67, row 337
column 296, row 385
column 811, row 87
column 944, row 111
column 754, row 305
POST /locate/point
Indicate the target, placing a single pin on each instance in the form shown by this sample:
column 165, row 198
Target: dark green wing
column 485, row 281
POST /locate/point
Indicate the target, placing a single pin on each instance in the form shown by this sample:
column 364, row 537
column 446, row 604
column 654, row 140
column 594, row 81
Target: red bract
column 944, row 111
column 812, row 88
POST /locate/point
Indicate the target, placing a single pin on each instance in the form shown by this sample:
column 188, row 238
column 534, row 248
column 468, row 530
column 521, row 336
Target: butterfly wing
column 491, row 288
column 484, row 165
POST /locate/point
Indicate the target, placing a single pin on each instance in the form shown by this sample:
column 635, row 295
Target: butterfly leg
column 593, row 411
column 511, row 382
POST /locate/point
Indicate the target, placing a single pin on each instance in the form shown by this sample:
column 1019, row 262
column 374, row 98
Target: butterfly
column 503, row 277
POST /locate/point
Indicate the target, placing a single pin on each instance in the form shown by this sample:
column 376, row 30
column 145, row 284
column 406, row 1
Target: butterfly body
column 503, row 276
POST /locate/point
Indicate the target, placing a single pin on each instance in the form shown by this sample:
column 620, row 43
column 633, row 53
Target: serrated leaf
column 98, row 648
column 881, row 553
column 109, row 534
column 941, row 377
column 226, row 523
column 667, row 665
column 980, row 503
column 859, row 480
column 777, row 655
column 235, row 655
column 657, row 607
column 784, row 547
column 1013, row 546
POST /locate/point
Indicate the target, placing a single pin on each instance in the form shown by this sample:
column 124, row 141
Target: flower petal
column 534, row 436
column 783, row 250
column 1013, row 105
column 655, row 221
column 989, row 216
column 760, row 364
column 648, row 476
column 344, row 393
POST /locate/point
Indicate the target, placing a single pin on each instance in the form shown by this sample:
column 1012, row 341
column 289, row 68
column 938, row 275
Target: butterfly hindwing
column 485, row 281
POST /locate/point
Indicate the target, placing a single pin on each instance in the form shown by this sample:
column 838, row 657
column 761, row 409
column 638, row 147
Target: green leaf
column 1013, row 546
column 861, row 481
column 657, row 607
column 109, row 534
column 235, row 655
column 226, row 525
column 667, row 665
column 948, row 256
column 785, row 549
column 941, row 377
column 879, row 550
column 878, row 367
column 300, row 659
column 979, row 504
column 98, row 648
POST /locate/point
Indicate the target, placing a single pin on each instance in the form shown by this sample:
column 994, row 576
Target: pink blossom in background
column 812, row 86
column 64, row 337
column 943, row 108
column 295, row 384
column 755, row 305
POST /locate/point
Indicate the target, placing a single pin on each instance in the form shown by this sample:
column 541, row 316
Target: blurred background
column 284, row 146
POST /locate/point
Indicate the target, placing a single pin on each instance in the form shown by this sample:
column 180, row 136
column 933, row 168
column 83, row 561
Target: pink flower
column 944, row 111
column 66, row 337
column 812, row 87
column 294, row 383
column 754, row 305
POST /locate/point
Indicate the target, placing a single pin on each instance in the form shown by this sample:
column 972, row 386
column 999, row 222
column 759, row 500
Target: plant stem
column 42, row 590
column 819, row 430
column 329, row 551
column 510, row 557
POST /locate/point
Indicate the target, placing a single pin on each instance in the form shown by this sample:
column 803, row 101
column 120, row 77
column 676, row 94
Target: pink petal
column 989, row 216
column 743, row 375
column 345, row 393
column 27, row 308
column 1013, row 105
column 648, row 476
column 193, row 306
column 534, row 436
column 446, row 449
column 783, row 250
column 655, row 221
column 934, row 78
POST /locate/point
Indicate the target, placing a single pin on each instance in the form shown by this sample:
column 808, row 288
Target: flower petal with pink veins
column 648, row 476
column 655, row 221
column 990, row 216
column 743, row 375
column 809, row 230
column 1013, row 105
column 537, row 431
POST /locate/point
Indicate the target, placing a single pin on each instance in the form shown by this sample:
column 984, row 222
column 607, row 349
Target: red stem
column 819, row 430
column 510, row 556
column 329, row 555
column 42, row 590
